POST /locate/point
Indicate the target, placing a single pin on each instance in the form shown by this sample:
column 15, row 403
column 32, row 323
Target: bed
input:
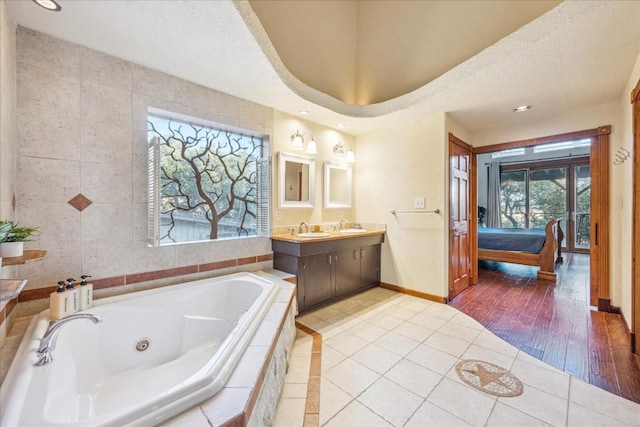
column 540, row 248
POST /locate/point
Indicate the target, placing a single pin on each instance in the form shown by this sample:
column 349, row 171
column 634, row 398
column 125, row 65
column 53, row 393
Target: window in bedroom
column 531, row 194
column 508, row 153
column 565, row 145
column 206, row 181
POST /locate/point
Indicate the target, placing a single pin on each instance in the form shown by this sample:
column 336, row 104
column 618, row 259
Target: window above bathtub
column 206, row 181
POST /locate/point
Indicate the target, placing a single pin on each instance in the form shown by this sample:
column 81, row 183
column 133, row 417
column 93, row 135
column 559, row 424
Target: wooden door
column 635, row 277
column 600, row 293
column 459, row 215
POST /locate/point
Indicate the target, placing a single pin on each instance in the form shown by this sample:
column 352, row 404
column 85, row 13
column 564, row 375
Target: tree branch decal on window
column 208, row 181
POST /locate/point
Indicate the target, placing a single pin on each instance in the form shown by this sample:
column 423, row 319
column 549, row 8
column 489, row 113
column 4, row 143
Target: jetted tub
column 196, row 333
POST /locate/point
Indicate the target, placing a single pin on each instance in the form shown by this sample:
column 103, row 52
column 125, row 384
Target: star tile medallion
column 489, row 378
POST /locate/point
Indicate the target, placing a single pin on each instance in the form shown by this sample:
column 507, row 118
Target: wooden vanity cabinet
column 315, row 275
column 329, row 269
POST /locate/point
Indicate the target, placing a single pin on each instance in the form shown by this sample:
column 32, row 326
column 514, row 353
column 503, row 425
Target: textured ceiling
column 578, row 53
column 367, row 52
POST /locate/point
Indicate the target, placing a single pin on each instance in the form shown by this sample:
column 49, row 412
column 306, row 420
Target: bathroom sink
column 314, row 234
column 353, row 231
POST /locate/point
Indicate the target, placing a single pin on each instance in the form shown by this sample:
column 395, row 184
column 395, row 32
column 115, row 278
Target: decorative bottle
column 58, row 303
column 86, row 293
column 74, row 297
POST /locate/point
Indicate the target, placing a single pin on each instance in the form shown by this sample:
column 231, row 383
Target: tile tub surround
column 389, row 359
column 81, row 129
column 251, row 394
column 139, row 281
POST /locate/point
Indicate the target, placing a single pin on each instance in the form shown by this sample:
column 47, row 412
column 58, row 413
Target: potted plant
column 13, row 244
column 5, row 229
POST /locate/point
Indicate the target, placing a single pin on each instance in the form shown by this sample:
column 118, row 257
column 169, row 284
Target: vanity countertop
column 333, row 235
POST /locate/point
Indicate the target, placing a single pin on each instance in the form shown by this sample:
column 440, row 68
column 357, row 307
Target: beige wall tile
column 48, row 92
column 101, row 68
column 30, row 308
column 107, row 222
column 106, row 143
column 239, row 248
column 225, row 105
column 59, row 223
column 140, row 220
column 153, row 83
column 141, row 104
column 253, row 127
column 107, row 259
column 48, row 52
column 105, row 104
column 7, row 111
column 60, row 263
column 46, row 180
column 250, row 112
column 196, row 253
column 191, row 94
column 106, row 182
column 151, row 259
column 48, row 135
column 90, row 138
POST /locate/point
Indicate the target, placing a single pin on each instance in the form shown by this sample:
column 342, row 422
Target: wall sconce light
column 339, row 151
column 297, row 143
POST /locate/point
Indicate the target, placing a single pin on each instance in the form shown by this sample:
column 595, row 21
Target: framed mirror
column 337, row 185
column 296, row 181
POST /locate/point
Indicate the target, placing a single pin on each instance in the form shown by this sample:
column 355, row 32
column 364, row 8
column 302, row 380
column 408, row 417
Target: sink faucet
column 306, row 227
column 48, row 342
column 341, row 223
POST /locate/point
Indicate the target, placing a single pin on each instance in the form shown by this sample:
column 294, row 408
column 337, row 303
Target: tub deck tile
column 224, row 406
column 191, row 418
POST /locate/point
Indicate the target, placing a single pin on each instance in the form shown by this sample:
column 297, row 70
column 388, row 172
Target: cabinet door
column 369, row 266
column 317, row 279
column 347, row 273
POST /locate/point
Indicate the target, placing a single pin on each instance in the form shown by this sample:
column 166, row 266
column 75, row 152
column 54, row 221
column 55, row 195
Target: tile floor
column 389, row 359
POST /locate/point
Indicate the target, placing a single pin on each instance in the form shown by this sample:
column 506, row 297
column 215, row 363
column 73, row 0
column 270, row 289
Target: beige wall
column 285, row 125
column 7, row 118
column 397, row 165
column 576, row 119
column 624, row 176
column 82, row 129
column 7, row 111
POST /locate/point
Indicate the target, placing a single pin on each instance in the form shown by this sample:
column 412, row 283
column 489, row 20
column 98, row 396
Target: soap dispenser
column 58, row 303
column 74, row 297
column 86, row 293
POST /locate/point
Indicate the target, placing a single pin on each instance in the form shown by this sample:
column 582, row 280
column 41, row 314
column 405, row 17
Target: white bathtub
column 197, row 333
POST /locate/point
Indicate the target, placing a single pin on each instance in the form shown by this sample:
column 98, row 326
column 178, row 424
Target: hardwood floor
column 554, row 323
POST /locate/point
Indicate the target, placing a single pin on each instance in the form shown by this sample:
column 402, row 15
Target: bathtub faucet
column 48, row 342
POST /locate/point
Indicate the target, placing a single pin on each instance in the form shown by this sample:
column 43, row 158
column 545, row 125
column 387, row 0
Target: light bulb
column 351, row 157
column 312, row 147
column 296, row 141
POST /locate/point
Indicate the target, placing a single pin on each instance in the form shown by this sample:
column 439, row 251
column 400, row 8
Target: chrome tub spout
column 48, row 342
